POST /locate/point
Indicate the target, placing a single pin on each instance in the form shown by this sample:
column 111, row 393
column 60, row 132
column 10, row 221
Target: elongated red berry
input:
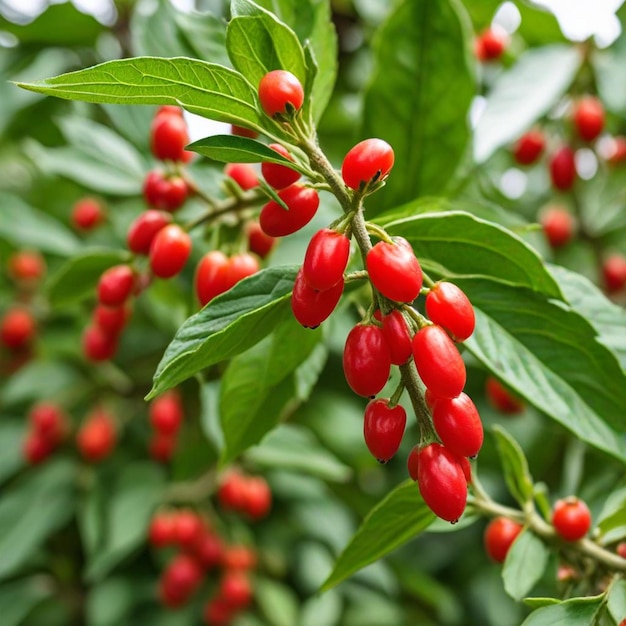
column 438, row 362
column 571, row 518
column 169, row 251
column 280, row 92
column 563, row 168
column 143, row 230
column 369, row 161
column 311, row 307
column 169, row 136
column 240, row 266
column 258, row 242
column 97, row 436
column 366, row 360
column 448, row 306
column 529, row 147
column 99, row 344
column 166, row 412
column 458, row 425
column 614, row 272
column 168, row 193
column 589, row 118
column 240, row 131
column 116, row 285
column 277, row 175
column 243, row 174
column 499, row 536
column 397, row 336
column 383, row 428
column 326, row 259
column 179, row 580
column 211, row 279
column 49, row 421
column 302, row 203
column 502, row 399
column 235, row 589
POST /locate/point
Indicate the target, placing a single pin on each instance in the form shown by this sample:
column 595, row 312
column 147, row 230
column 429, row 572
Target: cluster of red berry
column 48, row 426
column 166, row 414
column 249, row 495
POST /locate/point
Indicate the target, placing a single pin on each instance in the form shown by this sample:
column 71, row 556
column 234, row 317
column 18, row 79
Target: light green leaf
column 11, row 437
column 515, row 466
column 19, row 597
column 610, row 66
column 278, row 602
column 109, row 602
column 524, row 564
column 616, row 602
column 574, row 612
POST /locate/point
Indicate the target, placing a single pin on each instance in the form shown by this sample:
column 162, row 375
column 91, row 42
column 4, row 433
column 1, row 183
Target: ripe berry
column 301, row 202
column 143, row 230
column 209, row 550
column 180, row 580
column 490, row 44
column 563, row 168
column 166, row 412
column 169, row 251
column 412, row 462
column 116, row 285
column 311, row 307
column 211, row 276
column 383, row 428
column 166, row 193
column 442, row 482
column 240, row 131
column 96, row 437
column 217, row 612
column 589, row 118
column 168, row 109
column 571, row 518
column 17, row 328
column 559, row 225
column 162, row 447
column 98, row 344
column 231, row 492
column 499, row 536
column 258, row 242
column 277, row 175
column 280, row 92
column 25, row 266
column 169, row 137
column 36, row 448
column 448, row 306
column 188, row 528
column 235, row 589
column 616, row 153
column 396, row 335
column 614, row 272
column 111, row 320
column 529, row 147
column 48, row 421
column 621, row 549
column 438, row 362
column 366, row 360
column 161, row 530
column 239, row 557
column 240, row 266
column 369, row 161
column 501, row 399
column 257, row 497
column 458, row 425
column 326, row 259
column 243, row 174
column 87, row 214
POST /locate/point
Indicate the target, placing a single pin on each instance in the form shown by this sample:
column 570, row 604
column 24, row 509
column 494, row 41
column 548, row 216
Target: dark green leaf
column 523, row 94
column 420, row 51
column 19, row 597
column 400, row 516
column 574, row 612
column 616, row 602
column 524, row 565
column 515, row 466
column 227, row 326
column 109, row 602
column 11, row 458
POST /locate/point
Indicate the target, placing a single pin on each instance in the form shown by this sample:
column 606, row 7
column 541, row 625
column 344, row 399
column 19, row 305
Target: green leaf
column 25, row 226
column 456, row 244
column 515, row 466
column 32, row 510
column 419, row 55
column 523, row 94
column 207, row 89
column 109, row 603
column 227, row 326
column 77, row 278
column 234, row 149
column 11, row 458
column 524, row 565
column 400, row 516
column 537, row 603
column 278, row 603
column 132, row 501
column 611, row 521
column 549, row 355
column 574, row 612
column 610, row 72
column 616, row 602
column 19, row 597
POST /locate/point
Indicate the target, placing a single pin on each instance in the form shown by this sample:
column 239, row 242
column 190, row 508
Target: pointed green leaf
column 574, row 612
column 227, row 326
column 400, row 516
column 524, row 564
column 616, row 602
column 515, row 466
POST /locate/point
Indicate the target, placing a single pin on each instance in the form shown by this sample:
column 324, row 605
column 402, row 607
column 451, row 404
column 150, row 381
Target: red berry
column 243, row 174
column 280, row 92
column 571, row 518
column 258, row 242
column 257, row 497
column 36, row 448
column 369, row 161
column 490, row 44
column 240, row 266
column 169, row 137
column 383, row 428
column 239, row 557
column 614, row 272
column 161, row 192
column 188, row 528
column 501, row 399
column 240, row 131
column 17, row 328
column 208, row 550
column 412, row 462
column 211, row 276
column 217, row 612
column 111, row 320
column 87, row 214
column 394, row 270
column 98, row 344
column 26, row 266
column 448, row 306
column 161, row 530
column 563, row 168
column 143, row 230
column 396, row 335
column 169, row 251
column 438, row 362
column 180, row 580
column 621, row 549
column 431, row 399
column 442, row 482
column 559, row 225
column 116, row 285
column 231, row 492
column 617, row 151
column 311, row 307
column 366, row 360
column 166, row 412
column 326, row 259
column 48, row 421
column 466, row 467
column 499, row 536
column 529, row 147
column 458, row 425
column 168, row 109
column 277, row 175
column 235, row 589
column 301, row 202
column 97, row 436
column 162, row 447
column 589, row 118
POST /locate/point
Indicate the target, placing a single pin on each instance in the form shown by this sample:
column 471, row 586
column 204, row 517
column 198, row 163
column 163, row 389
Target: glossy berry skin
column 243, row 174
column 370, row 160
column 116, row 285
column 458, row 425
column 589, row 118
column 438, row 362
column 87, row 214
column 277, row 175
column 490, row 44
column 501, row 399
column 325, row 259
column 614, row 273
column 366, row 360
column 98, row 344
column 26, row 267
column 17, row 328
column 412, row 462
column 279, row 92
column 394, row 270
column 161, row 530
column 397, row 336
column 302, row 203
column 529, row 147
column 499, row 536
column 169, row 251
column 188, row 528
column 235, row 589
column 143, row 230
column 448, row 306
column 96, row 437
column 166, row 413
column 257, row 497
column 211, row 276
column 571, row 518
column 559, row 226
column 441, row 482
column 258, row 242
column 311, row 307
column 169, row 137
column 383, row 428
column 240, row 266
column 563, row 169
column 165, row 193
